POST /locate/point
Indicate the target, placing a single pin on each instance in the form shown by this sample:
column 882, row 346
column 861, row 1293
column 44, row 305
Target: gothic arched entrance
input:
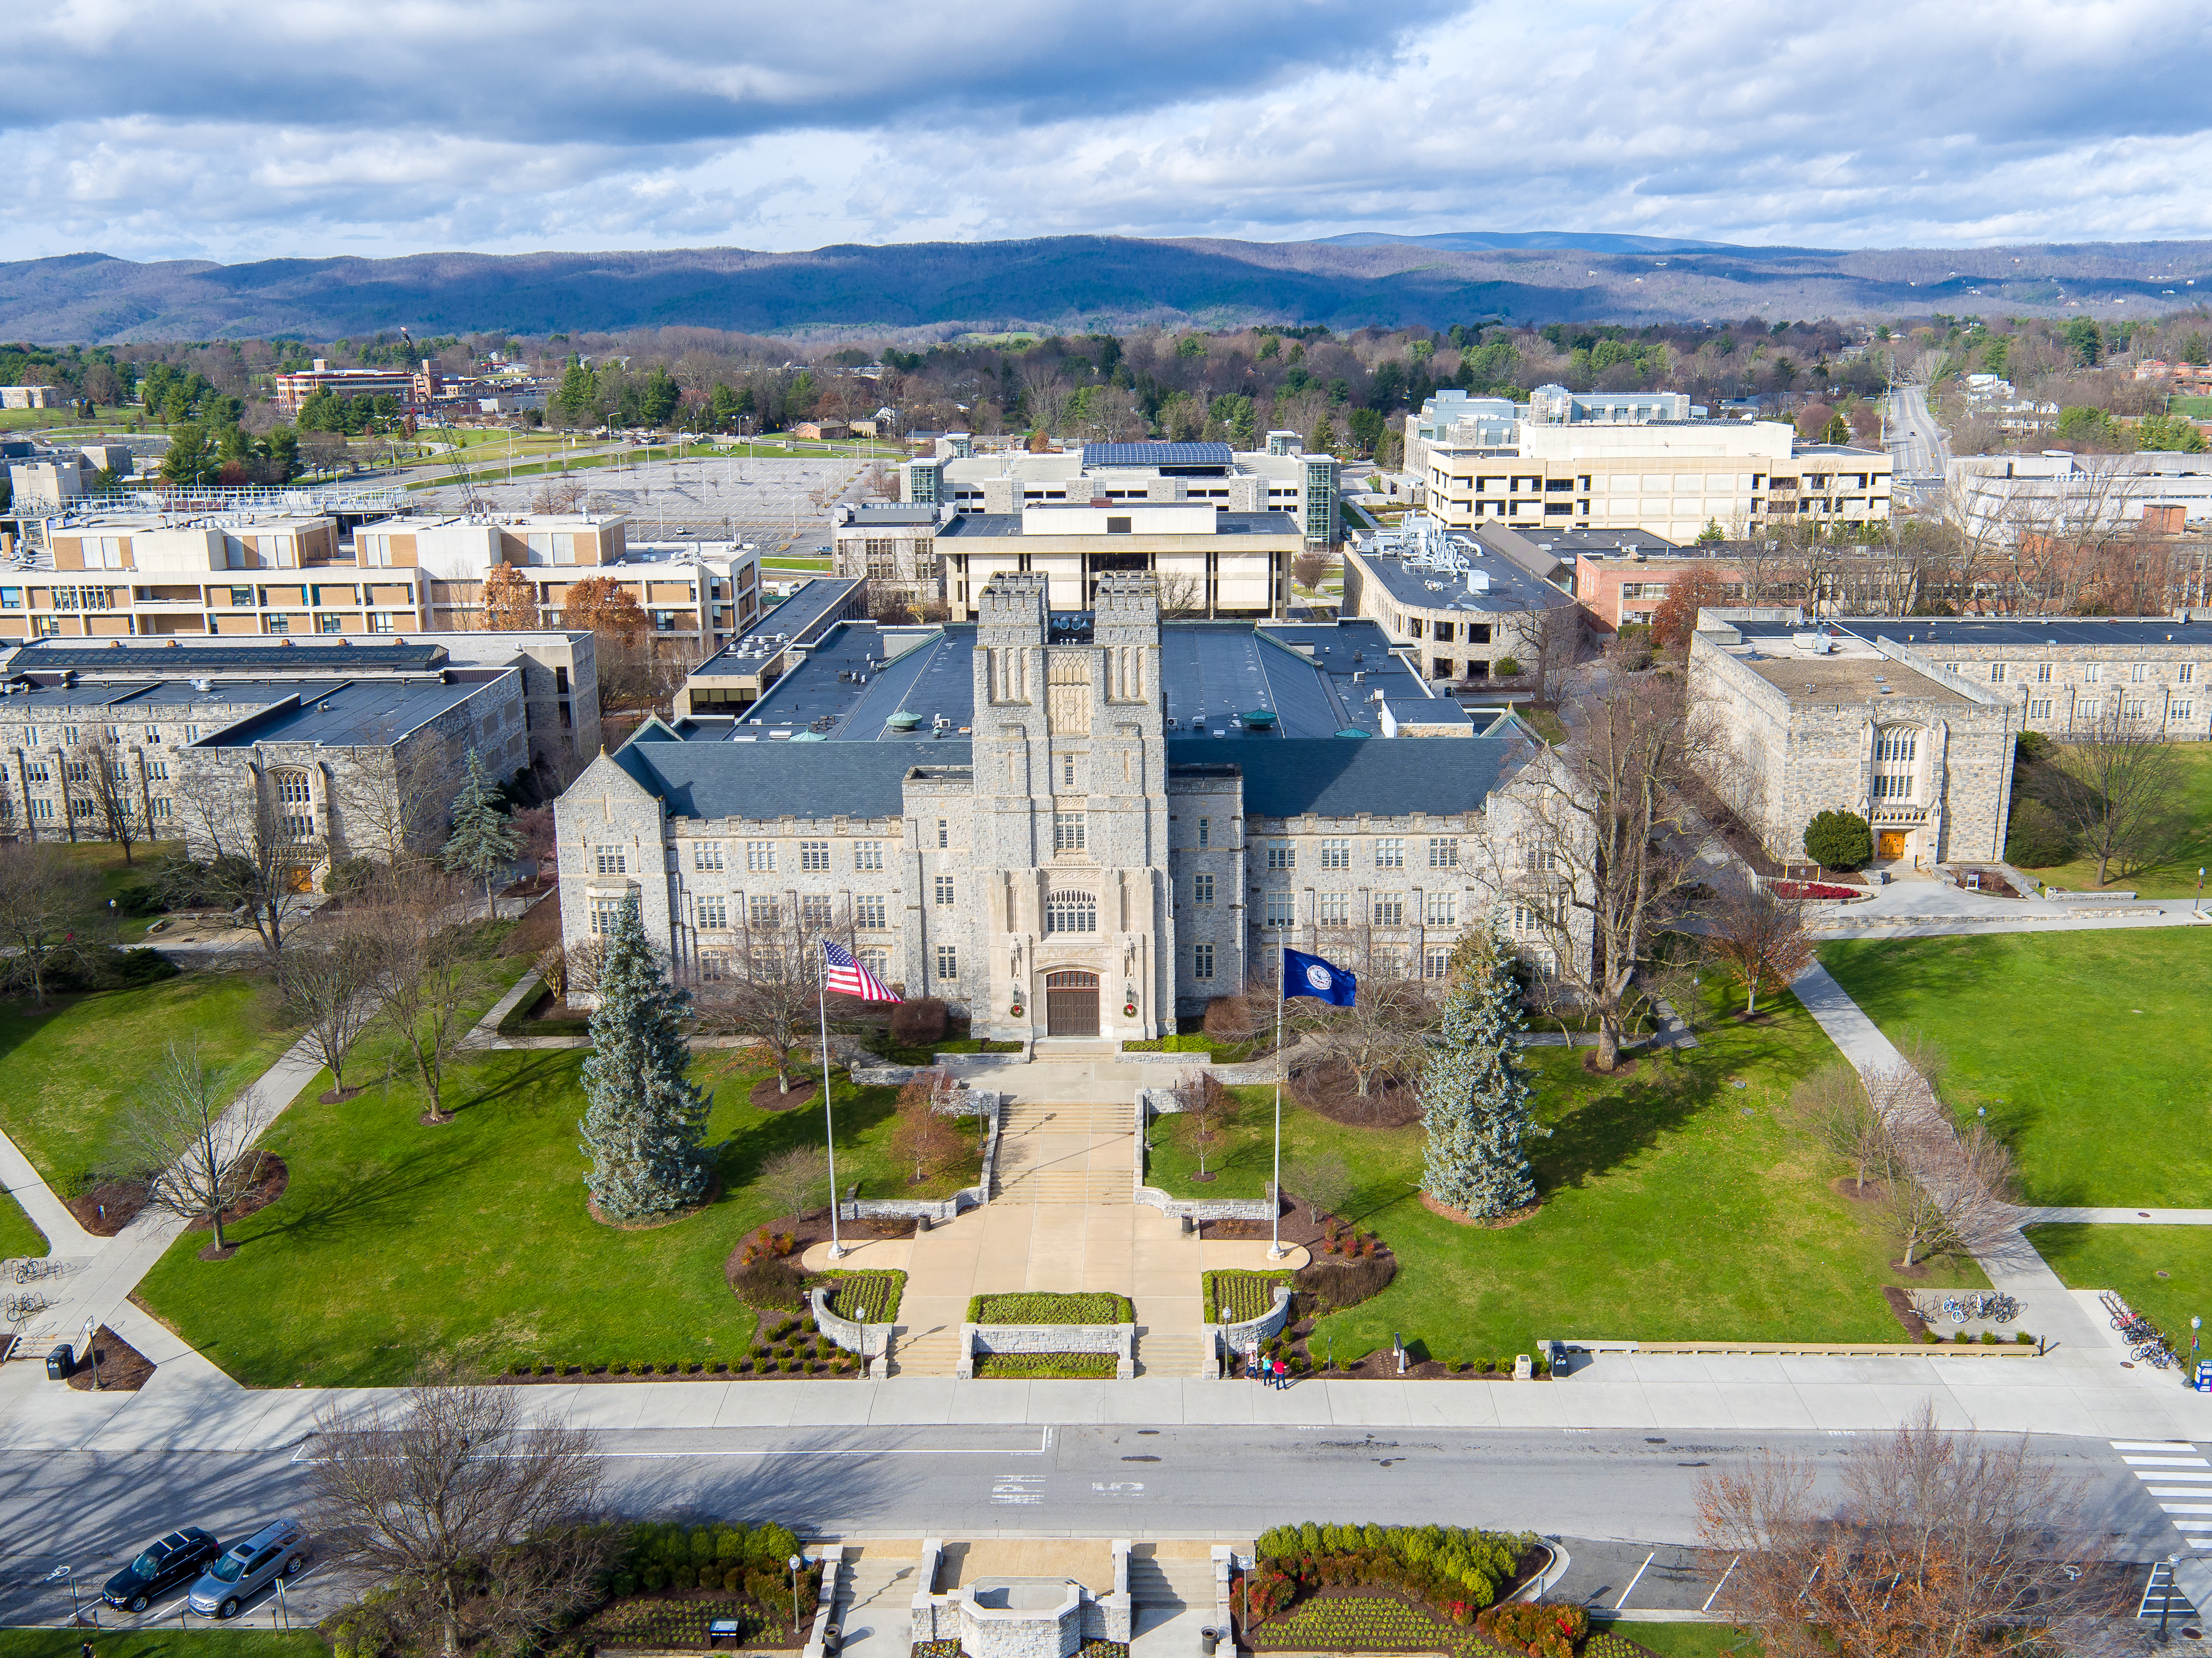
column 1071, row 1003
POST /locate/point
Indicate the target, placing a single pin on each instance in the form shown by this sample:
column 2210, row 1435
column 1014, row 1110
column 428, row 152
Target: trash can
column 1209, row 1639
column 61, row 1362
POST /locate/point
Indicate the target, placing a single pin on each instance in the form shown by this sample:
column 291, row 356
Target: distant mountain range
column 937, row 290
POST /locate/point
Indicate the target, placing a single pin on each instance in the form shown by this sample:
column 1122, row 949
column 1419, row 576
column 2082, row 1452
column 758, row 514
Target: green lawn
column 1682, row 1640
column 19, row 1234
column 2087, row 1049
column 2129, row 1259
column 395, row 1241
column 1676, row 1206
column 2174, row 874
column 73, row 1066
column 164, row 1643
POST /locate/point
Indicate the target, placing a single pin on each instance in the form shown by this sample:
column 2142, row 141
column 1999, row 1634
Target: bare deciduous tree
column 329, row 989
column 192, row 1144
column 1948, row 1194
column 1758, row 934
column 2114, row 780
column 1940, row 1545
column 1555, row 641
column 484, row 1508
column 771, row 987
column 1210, row 1108
column 420, row 976
column 1599, row 846
column 1833, row 1107
column 1385, row 1032
column 108, row 783
column 45, row 894
column 923, row 1135
column 794, row 1181
column 393, row 803
column 258, row 860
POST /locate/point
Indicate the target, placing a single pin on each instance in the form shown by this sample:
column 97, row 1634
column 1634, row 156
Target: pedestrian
column 1282, row 1375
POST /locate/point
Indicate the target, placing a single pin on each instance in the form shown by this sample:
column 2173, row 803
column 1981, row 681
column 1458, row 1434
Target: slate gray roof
column 1342, row 777
column 783, row 779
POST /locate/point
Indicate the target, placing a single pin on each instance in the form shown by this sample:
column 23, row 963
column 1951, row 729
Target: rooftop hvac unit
column 1359, row 675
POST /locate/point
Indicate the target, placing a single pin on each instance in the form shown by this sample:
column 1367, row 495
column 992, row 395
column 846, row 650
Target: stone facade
column 1923, row 756
column 2159, row 671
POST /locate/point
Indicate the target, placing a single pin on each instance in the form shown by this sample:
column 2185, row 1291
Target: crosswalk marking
column 2166, row 1468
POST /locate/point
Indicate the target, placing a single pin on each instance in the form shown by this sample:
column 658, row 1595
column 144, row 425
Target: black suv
column 171, row 1562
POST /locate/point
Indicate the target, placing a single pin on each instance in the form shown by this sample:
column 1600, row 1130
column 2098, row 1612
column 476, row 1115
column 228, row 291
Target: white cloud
column 317, row 128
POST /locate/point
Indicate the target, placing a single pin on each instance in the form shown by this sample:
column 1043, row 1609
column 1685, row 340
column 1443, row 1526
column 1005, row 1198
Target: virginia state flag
column 1309, row 976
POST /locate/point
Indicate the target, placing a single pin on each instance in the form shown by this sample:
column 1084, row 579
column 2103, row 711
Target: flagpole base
column 838, row 1252
column 1276, row 1252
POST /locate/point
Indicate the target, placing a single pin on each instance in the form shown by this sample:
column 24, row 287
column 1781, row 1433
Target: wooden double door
column 1071, row 1003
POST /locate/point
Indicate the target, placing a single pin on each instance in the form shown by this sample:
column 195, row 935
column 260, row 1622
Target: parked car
column 245, row 1569
column 161, row 1565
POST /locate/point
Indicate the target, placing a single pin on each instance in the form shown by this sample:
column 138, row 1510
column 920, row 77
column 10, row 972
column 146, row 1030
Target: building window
column 1390, row 854
column 1891, row 785
column 1332, row 909
column 611, row 860
column 1282, row 854
column 2043, row 673
column 1067, row 831
column 2088, row 711
column 42, row 809
column 944, row 892
column 760, row 911
column 83, row 808
column 2137, row 673
column 1390, row 910
column 1201, row 889
column 1539, row 862
column 1436, row 962
column 1205, row 832
column 1443, row 909
column 2186, row 674
column 77, row 771
column 813, row 855
column 944, row 832
column 1996, row 673
column 2094, row 672
column 760, row 857
column 867, row 854
column 606, row 912
column 1444, row 851
column 877, row 962
column 2132, row 708
column 1202, row 960
column 292, row 788
column 707, row 857
column 280, row 624
column 2039, row 709
column 948, row 961
column 1067, row 771
column 1896, row 746
column 161, row 806
column 713, row 967
column 1071, row 912
column 330, row 624
column 713, row 912
column 2178, row 711
column 1336, row 854
column 1282, row 909
column 868, row 911
column 814, row 909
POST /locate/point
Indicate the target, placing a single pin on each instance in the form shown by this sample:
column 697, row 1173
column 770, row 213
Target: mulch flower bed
column 1331, row 1089
column 123, row 1368
column 268, row 1183
column 108, row 1207
column 767, row 1096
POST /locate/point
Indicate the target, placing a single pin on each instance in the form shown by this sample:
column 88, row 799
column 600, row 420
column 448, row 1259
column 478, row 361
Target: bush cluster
column 918, row 1023
column 1333, row 1288
column 770, row 1284
column 1541, row 1629
column 110, row 969
column 736, row 1559
column 1441, row 1564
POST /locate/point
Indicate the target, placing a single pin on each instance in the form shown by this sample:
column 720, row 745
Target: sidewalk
column 2079, row 1392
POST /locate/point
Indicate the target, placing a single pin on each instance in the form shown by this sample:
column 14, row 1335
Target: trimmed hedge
column 1028, row 1306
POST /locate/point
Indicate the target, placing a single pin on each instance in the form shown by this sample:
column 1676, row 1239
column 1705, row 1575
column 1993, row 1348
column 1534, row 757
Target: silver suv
column 245, row 1569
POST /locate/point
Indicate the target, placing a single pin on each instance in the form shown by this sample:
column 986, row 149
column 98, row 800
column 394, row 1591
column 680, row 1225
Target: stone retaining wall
column 1223, row 1339
column 933, row 1211
column 871, row 1341
column 1119, row 1339
column 1161, row 1102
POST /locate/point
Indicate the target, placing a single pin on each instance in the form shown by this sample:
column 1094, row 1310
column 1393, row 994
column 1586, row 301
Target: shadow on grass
column 1609, row 1130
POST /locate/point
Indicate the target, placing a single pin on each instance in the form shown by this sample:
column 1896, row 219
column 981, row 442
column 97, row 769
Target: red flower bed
column 1811, row 889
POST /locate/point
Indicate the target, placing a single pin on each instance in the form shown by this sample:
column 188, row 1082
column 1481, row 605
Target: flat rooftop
column 969, row 525
column 2158, row 630
column 797, row 617
column 190, row 656
column 1849, row 679
column 1511, row 588
column 371, row 714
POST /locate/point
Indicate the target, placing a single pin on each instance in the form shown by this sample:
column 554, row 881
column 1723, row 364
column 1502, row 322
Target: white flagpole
column 829, row 1119
column 1275, row 1244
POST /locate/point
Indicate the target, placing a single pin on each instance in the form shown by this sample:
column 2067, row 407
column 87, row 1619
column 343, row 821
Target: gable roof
column 780, row 780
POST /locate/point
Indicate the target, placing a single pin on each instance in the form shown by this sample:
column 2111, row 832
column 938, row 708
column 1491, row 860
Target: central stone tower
column 1070, row 838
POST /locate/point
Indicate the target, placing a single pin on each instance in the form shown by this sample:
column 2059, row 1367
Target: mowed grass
column 395, row 1241
column 72, row 1068
column 19, row 1235
column 1676, row 1206
column 2088, row 1050
column 2129, row 1259
column 2173, row 874
column 164, row 1643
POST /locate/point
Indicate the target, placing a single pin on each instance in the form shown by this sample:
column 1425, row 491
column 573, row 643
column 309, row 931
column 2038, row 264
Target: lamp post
column 2166, row 1601
column 2195, row 1344
column 795, row 1563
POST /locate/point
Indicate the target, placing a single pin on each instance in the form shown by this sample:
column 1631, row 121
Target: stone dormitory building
column 1070, row 823
column 1911, row 721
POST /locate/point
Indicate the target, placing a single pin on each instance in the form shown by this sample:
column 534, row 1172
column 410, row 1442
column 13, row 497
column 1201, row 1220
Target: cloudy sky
column 210, row 128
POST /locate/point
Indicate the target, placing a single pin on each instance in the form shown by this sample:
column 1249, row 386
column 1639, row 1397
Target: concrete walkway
column 2049, row 1216
column 47, row 1213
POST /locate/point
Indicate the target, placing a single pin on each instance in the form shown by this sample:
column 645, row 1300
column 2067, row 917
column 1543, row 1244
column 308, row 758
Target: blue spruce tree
column 644, row 1129
column 1474, row 1097
column 484, row 840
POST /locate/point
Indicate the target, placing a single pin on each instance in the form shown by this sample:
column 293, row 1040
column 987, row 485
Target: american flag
column 849, row 978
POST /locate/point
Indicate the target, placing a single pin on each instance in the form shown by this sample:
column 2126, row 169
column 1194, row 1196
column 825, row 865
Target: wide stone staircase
column 1056, row 1153
column 1163, row 1587
column 875, row 1594
column 1170, row 1352
column 926, row 1352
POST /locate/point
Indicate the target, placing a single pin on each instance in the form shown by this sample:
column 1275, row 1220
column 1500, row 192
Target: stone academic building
column 1068, row 824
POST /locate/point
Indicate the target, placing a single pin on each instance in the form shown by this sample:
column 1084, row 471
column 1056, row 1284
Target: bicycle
column 1954, row 1309
column 2004, row 1309
column 19, row 1308
column 2155, row 1353
column 2121, row 1314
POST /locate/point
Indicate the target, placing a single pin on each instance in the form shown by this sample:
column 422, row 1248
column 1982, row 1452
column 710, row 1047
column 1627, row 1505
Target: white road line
column 2152, row 1445
column 2193, row 1525
column 1718, row 1586
column 2188, row 1507
column 2167, row 1462
column 1634, row 1581
column 2178, row 1490
column 2174, row 1473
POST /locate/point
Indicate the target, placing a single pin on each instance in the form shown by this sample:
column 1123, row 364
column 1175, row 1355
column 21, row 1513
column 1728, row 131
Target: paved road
column 1630, row 1493
column 1916, row 441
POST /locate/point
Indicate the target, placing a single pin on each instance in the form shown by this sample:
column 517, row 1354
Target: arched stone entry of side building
column 1071, row 1003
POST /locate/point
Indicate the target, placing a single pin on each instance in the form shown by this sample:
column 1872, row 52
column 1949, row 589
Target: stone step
column 1102, row 1187
column 932, row 1352
column 1171, row 1354
column 1154, row 1582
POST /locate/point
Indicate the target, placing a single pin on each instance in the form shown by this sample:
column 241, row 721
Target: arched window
column 295, row 807
column 1071, row 912
column 1896, row 768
